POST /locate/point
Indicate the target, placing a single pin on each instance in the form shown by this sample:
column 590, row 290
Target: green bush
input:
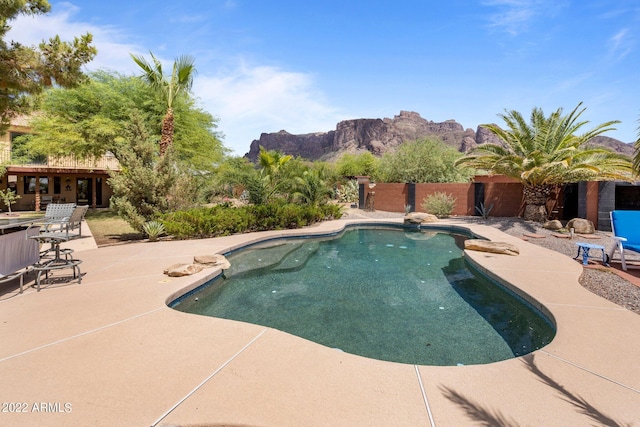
column 224, row 220
column 439, row 204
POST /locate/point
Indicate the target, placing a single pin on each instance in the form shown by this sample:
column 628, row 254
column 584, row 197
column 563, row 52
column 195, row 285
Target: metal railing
column 107, row 161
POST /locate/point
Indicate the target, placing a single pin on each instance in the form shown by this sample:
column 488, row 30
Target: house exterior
column 51, row 179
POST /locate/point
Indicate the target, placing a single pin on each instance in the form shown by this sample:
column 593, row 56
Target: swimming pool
column 395, row 294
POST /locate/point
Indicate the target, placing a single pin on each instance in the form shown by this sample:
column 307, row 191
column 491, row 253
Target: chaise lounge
column 624, row 225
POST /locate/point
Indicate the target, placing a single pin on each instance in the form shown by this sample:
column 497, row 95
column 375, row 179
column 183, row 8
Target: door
column 83, row 192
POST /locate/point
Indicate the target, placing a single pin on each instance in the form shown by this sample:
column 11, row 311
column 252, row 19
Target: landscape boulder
column 179, row 270
column 419, row 218
column 552, row 225
column 581, row 226
column 215, row 260
column 492, row 247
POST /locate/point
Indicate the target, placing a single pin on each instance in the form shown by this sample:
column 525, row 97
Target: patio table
column 585, row 247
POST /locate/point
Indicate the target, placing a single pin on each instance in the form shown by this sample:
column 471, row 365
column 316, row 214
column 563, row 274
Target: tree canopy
column 429, row 160
column 91, row 119
column 27, row 70
column 364, row 164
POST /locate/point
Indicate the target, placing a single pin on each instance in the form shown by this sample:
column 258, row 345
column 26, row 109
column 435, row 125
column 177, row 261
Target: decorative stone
column 493, row 247
column 582, row 226
column 419, row 218
column 534, row 235
column 215, row 260
column 552, row 225
column 179, row 270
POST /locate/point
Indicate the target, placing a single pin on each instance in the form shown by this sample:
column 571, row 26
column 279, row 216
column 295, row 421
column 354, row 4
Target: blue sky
column 303, row 66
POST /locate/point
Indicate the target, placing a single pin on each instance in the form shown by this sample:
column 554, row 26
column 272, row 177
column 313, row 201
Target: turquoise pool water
column 389, row 294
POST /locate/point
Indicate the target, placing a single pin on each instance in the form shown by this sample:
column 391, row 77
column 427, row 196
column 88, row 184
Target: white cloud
column 113, row 52
column 248, row 100
column 251, row 100
column 514, row 16
column 620, row 44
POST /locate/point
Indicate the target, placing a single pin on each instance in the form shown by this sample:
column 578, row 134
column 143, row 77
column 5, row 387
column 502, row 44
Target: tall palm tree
column 546, row 152
column 636, row 155
column 181, row 80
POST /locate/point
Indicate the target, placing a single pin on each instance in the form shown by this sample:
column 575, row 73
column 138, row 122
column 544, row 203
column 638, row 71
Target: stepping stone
column 535, row 236
column 589, row 236
column 561, row 236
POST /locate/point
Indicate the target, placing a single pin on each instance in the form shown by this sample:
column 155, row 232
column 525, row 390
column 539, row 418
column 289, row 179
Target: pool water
column 388, row 294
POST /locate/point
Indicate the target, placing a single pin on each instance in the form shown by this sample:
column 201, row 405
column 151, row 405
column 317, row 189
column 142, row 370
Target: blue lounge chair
column 626, row 232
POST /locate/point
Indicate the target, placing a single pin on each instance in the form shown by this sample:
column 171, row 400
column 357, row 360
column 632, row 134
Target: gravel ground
column 597, row 278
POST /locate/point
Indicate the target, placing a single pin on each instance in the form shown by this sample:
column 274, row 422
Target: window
column 30, row 185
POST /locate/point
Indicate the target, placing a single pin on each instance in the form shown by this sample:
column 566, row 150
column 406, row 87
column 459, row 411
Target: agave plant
column 153, row 229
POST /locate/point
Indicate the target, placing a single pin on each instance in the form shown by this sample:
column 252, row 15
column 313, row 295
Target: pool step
column 282, row 257
column 297, row 259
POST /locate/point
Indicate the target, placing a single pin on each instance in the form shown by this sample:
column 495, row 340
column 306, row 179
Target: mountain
column 381, row 135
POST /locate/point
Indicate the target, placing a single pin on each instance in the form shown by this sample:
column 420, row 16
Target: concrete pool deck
column 110, row 352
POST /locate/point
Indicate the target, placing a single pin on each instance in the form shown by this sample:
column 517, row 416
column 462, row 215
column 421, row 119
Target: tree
column 636, row 155
column 9, row 197
column 429, row 160
column 147, row 185
column 311, row 188
column 180, row 81
column 546, row 152
column 365, row 164
column 92, row 119
column 27, row 70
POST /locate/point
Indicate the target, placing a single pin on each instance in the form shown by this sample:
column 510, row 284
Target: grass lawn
column 108, row 228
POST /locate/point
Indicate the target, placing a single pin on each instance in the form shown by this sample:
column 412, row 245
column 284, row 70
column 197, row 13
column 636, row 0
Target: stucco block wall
column 462, row 192
column 389, row 197
column 506, row 198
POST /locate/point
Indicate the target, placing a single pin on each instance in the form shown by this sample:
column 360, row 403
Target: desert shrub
column 429, row 160
column 439, row 204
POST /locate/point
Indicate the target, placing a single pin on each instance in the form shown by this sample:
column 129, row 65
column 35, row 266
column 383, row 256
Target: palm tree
column 272, row 161
column 181, row 80
column 636, row 155
column 547, row 152
column 311, row 188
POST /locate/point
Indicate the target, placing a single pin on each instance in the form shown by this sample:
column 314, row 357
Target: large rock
column 493, row 247
column 581, row 226
column 552, row 225
column 179, row 270
column 419, row 218
column 215, row 260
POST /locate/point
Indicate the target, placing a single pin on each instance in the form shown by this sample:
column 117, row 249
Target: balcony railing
column 107, row 161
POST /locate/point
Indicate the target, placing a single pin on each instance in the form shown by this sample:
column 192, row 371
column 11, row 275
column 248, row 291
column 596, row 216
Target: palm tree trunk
column 535, row 198
column 166, row 138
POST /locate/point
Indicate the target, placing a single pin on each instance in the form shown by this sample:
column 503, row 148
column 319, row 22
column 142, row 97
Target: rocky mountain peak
column 379, row 136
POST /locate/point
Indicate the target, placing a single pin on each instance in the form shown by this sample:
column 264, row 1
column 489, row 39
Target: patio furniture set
column 21, row 252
